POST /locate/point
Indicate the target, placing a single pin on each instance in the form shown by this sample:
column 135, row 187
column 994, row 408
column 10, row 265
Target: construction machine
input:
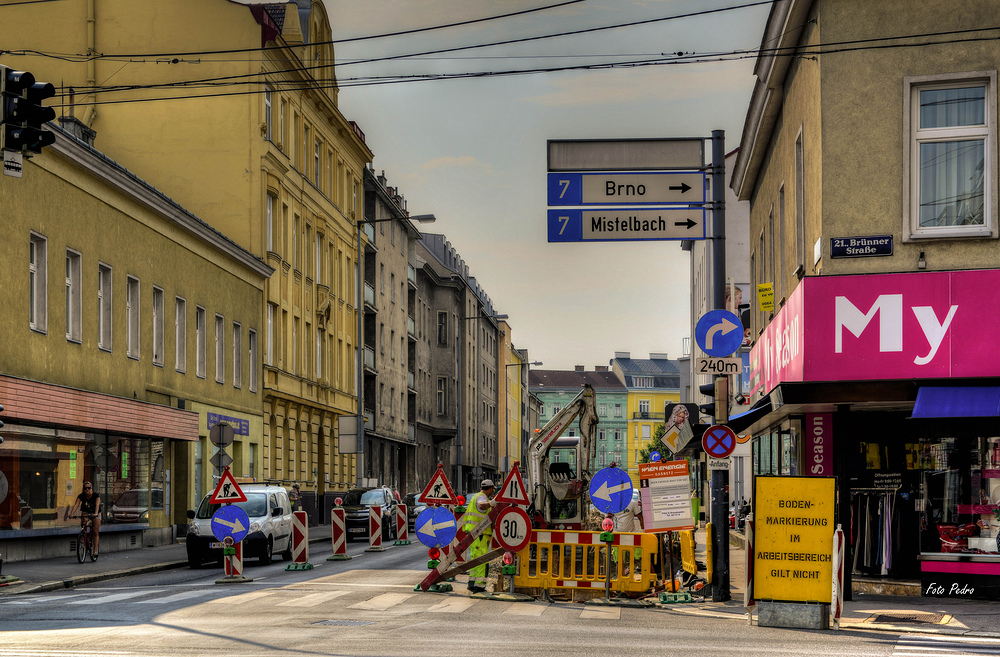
column 559, row 467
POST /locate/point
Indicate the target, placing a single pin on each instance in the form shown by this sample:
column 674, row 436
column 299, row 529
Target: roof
column 665, row 372
column 540, row 380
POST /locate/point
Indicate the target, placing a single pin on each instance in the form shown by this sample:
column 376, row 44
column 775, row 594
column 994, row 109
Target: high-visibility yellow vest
column 472, row 513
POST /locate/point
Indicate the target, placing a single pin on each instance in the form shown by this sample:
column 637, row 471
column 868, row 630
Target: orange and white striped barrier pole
column 402, row 525
column 338, row 532
column 300, row 542
column 375, row 529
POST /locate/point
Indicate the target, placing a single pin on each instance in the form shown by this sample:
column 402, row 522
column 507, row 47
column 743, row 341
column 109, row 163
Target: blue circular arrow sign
column 230, row 520
column 611, row 490
column 719, row 333
column 436, row 526
column 655, row 456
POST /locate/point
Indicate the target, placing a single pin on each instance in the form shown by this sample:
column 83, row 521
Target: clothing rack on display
column 875, row 529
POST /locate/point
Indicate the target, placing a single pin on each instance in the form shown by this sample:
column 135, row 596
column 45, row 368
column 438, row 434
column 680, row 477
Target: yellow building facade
column 240, row 124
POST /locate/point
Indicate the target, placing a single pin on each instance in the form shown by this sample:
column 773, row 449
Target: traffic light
column 719, row 407
column 23, row 112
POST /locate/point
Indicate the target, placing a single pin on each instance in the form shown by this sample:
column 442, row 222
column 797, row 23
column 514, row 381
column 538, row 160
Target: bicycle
column 85, row 542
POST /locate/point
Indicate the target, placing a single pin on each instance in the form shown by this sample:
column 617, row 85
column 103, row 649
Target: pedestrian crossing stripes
column 312, row 599
column 923, row 645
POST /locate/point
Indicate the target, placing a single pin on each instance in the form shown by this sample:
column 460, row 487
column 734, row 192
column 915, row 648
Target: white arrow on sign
column 723, row 327
column 604, row 492
column 430, row 528
column 236, row 525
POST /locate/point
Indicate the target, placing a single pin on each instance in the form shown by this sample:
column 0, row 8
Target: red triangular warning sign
column 227, row 490
column 438, row 490
column 513, row 490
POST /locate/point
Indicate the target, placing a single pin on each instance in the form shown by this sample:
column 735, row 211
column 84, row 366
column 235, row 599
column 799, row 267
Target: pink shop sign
column 923, row 325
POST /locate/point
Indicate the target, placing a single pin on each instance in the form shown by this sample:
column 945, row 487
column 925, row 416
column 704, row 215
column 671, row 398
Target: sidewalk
column 66, row 572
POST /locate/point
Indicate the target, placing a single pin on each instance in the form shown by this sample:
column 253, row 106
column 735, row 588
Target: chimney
column 600, row 368
column 78, row 129
column 623, row 355
column 579, row 368
column 658, row 357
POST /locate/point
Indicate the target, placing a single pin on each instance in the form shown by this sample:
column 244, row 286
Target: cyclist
column 89, row 501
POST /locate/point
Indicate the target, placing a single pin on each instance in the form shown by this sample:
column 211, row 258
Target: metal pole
column 720, row 496
column 359, row 285
column 458, row 432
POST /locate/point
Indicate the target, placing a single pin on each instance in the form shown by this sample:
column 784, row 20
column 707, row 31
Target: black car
column 413, row 509
column 357, row 502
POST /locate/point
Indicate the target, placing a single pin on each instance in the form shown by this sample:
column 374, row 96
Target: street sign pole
column 720, row 478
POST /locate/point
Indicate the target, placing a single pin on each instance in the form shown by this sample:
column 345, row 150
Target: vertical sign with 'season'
column 819, row 444
column 793, row 531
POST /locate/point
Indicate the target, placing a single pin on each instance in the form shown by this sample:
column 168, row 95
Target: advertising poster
column 665, row 491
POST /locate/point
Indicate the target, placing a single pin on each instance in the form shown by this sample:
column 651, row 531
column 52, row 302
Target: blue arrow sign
column 719, row 333
column 611, row 490
column 655, row 456
column 436, row 526
column 230, row 520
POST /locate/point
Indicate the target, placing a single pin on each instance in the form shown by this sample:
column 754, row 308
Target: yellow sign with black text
column 793, row 532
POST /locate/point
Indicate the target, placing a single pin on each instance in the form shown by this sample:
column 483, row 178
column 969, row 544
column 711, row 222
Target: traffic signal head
column 23, row 112
column 718, row 409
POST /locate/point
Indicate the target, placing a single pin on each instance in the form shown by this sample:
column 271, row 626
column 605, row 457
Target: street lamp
column 360, row 376
column 506, row 399
column 458, row 433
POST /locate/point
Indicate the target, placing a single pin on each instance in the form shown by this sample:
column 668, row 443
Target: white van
column 270, row 515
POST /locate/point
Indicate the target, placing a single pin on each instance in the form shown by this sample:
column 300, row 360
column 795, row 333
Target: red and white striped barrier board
column 338, row 531
column 587, row 538
column 375, row 529
column 402, row 524
column 233, row 564
column 300, row 537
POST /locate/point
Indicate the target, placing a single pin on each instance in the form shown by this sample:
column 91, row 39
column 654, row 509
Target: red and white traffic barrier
column 233, row 563
column 300, row 542
column 375, row 529
column 338, row 534
column 402, row 525
column 837, row 603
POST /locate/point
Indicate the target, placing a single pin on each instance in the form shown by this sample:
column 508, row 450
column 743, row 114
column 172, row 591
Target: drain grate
column 912, row 617
column 343, row 622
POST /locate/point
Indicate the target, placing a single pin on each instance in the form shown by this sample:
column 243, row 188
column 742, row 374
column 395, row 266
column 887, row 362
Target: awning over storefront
column 739, row 423
column 957, row 401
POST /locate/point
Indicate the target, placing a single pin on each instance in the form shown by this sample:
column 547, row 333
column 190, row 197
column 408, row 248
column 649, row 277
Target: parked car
column 413, row 509
column 357, row 501
column 270, row 515
column 133, row 505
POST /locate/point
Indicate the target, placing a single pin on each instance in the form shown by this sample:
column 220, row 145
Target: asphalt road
column 367, row 606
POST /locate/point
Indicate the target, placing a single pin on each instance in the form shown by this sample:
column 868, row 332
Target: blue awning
column 739, row 423
column 959, row 401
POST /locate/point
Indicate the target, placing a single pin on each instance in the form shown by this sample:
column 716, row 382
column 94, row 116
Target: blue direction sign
column 230, row 520
column 436, row 526
column 626, row 188
column 719, row 333
column 655, row 456
column 626, row 224
column 719, row 441
column 611, row 490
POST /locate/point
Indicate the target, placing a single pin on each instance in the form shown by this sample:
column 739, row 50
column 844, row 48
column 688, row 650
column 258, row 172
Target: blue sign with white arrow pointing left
column 230, row 520
column 611, row 490
column 436, row 526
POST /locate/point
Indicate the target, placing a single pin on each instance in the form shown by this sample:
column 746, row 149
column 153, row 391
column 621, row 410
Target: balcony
column 646, row 415
column 369, row 294
column 411, row 381
column 411, row 433
column 369, row 359
column 411, row 328
column 411, row 275
column 370, row 232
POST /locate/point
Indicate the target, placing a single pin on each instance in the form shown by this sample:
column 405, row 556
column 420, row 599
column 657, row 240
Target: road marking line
column 176, row 597
column 114, row 597
column 382, row 602
column 452, row 606
column 525, row 609
column 312, row 599
column 239, row 599
column 607, row 613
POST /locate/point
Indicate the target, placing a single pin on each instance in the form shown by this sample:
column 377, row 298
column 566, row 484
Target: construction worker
column 477, row 507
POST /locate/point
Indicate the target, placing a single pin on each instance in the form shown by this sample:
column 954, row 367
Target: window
column 800, row 207
column 602, row 410
column 267, row 113
column 442, row 395
column 442, row 328
column 642, row 381
column 392, row 345
column 319, row 257
column 74, row 303
column 158, row 326
column 646, row 431
column 392, row 287
column 316, row 165
column 644, row 406
column 200, row 329
column 618, row 434
column 780, row 293
column 220, row 349
column 37, row 257
column 269, row 222
column 281, row 125
column 295, row 242
column 132, row 316
column 180, row 334
column 618, row 410
column 269, row 338
column 237, row 355
column 319, row 354
column 103, row 307
column 329, row 174
column 252, row 357
column 951, row 158
column 555, row 409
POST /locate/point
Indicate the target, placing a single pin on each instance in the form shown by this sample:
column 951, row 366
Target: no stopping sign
column 512, row 529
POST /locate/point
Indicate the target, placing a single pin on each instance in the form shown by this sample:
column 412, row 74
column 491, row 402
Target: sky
column 472, row 151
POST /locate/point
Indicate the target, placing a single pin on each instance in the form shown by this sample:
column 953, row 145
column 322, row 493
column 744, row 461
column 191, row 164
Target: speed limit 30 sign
column 512, row 529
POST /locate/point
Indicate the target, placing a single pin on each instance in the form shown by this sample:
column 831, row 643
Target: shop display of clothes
column 881, row 544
